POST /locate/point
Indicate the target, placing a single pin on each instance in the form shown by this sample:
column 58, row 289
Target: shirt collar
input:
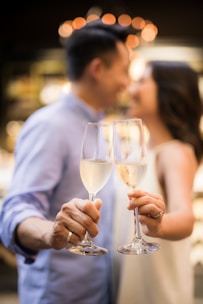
column 73, row 101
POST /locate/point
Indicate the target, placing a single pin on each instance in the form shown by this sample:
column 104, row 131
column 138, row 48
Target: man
column 39, row 210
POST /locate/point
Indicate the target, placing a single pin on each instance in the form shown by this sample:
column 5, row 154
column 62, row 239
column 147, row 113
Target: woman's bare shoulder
column 175, row 146
column 177, row 152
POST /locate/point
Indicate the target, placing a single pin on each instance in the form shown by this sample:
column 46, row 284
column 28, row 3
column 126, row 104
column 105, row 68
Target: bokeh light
column 143, row 31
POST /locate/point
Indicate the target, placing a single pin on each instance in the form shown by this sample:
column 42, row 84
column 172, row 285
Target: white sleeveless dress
column 163, row 277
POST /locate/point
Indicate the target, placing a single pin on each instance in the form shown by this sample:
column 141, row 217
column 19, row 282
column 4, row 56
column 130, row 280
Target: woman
column 167, row 98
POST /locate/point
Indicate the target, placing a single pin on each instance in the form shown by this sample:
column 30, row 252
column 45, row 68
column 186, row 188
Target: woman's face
column 143, row 97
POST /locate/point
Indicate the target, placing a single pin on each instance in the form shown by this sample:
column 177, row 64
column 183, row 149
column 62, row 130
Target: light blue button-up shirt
column 46, row 175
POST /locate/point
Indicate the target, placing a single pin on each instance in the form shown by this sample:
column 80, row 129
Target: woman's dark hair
column 179, row 101
column 96, row 39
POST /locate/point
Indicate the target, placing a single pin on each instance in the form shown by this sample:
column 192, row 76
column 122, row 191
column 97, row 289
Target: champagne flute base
column 86, row 248
column 138, row 246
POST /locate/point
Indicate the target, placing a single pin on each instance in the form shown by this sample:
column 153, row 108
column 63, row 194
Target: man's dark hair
column 96, row 39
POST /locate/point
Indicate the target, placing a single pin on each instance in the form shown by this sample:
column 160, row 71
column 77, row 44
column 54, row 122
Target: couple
column 46, row 203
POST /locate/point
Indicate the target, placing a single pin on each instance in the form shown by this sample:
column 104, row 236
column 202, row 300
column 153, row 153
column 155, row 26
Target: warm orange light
column 146, row 31
column 124, row 20
column 79, row 22
column 109, row 18
column 65, row 29
column 149, row 32
column 132, row 41
column 154, row 28
column 92, row 17
column 138, row 23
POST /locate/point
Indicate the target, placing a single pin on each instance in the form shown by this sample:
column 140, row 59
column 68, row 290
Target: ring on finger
column 69, row 236
column 160, row 213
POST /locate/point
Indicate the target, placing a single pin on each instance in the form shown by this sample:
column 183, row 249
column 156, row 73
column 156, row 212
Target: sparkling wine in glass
column 95, row 170
column 130, row 161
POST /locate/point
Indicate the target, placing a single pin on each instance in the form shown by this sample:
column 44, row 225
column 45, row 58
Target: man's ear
column 96, row 68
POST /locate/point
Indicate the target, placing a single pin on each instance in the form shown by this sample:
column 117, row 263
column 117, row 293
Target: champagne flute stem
column 137, row 224
column 92, row 196
column 87, row 236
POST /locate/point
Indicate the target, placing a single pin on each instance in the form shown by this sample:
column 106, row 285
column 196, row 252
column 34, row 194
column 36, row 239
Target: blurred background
column 33, row 73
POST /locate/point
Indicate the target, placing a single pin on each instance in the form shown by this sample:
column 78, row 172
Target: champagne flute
column 131, row 164
column 95, row 170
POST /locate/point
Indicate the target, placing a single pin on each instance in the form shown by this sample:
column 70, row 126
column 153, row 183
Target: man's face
column 115, row 77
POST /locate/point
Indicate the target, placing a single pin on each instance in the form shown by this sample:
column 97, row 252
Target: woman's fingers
column 148, row 203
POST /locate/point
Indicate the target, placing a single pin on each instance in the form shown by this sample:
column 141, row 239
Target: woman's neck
column 158, row 134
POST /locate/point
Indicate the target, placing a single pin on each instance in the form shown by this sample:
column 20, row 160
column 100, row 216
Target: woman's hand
column 151, row 210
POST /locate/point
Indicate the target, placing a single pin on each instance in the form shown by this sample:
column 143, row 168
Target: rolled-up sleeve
column 14, row 212
column 37, row 171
